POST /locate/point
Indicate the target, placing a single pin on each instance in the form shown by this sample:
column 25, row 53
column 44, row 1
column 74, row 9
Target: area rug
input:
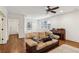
column 65, row 49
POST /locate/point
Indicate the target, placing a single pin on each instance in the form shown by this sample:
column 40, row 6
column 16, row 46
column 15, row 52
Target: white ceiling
column 37, row 10
column 26, row 10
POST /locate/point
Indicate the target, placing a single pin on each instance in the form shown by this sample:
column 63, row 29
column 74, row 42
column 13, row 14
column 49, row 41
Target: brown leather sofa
column 35, row 47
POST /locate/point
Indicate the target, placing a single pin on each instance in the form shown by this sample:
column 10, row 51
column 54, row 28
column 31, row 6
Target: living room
column 22, row 22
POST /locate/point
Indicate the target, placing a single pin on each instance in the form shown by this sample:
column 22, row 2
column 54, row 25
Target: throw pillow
column 46, row 39
column 35, row 39
column 51, row 36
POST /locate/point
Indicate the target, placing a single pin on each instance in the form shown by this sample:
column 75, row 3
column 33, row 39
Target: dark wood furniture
column 60, row 32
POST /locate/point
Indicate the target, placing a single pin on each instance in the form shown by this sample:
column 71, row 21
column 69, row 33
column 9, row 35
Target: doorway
column 13, row 26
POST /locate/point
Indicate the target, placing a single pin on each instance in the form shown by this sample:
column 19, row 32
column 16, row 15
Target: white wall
column 35, row 26
column 21, row 27
column 70, row 22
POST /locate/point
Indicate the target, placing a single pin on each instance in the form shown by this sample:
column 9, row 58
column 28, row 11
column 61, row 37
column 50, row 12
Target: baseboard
column 14, row 35
column 73, row 40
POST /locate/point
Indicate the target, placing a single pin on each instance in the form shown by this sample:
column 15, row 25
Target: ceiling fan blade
column 55, row 8
column 53, row 11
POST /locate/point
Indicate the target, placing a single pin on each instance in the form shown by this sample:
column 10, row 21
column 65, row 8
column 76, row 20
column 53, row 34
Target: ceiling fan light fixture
column 61, row 11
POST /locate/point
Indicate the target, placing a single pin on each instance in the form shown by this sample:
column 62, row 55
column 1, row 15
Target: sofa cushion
column 54, row 40
column 29, row 35
column 41, row 45
column 47, row 33
column 42, row 35
column 36, row 34
column 51, row 42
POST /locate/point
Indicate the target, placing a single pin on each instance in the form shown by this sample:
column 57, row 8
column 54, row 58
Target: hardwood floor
column 15, row 45
column 68, row 42
column 72, row 43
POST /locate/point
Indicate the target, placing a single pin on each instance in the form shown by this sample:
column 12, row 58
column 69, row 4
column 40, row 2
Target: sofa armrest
column 30, row 45
column 30, row 42
column 56, row 36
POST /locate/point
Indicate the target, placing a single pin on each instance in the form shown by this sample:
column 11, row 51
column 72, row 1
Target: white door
column 13, row 26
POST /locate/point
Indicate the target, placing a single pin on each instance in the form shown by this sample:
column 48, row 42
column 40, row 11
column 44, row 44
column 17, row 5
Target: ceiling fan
column 52, row 9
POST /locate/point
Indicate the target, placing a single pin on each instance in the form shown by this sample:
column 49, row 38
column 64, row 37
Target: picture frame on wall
column 29, row 25
column 46, row 25
column 49, row 26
